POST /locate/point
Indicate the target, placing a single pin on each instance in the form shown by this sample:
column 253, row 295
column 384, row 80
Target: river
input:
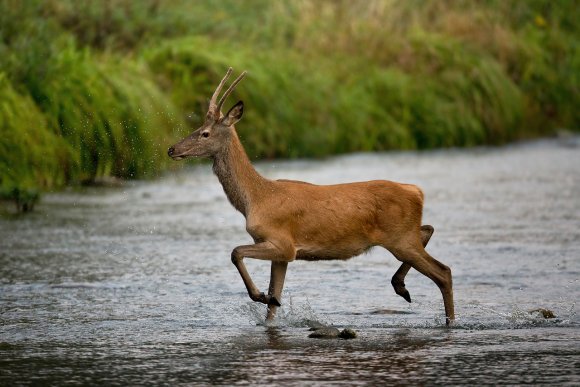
column 133, row 285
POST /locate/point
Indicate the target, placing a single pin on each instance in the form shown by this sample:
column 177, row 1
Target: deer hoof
column 405, row 294
column 401, row 290
column 260, row 297
column 274, row 301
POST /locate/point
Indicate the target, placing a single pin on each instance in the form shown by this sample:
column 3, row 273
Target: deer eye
column 205, row 134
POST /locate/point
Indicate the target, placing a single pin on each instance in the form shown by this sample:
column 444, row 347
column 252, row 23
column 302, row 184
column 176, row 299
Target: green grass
column 31, row 153
column 101, row 88
column 111, row 113
column 465, row 101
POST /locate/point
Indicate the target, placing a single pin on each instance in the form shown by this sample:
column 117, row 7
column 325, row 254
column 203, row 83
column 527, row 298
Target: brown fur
column 291, row 220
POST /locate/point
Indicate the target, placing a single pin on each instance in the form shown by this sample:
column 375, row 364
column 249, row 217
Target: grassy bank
column 101, row 88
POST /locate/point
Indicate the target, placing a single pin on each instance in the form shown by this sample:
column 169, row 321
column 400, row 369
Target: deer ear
column 234, row 114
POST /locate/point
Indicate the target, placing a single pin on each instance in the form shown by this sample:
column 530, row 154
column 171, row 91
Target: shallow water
column 134, row 285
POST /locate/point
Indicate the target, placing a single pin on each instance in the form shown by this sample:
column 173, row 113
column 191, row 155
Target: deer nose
column 171, row 151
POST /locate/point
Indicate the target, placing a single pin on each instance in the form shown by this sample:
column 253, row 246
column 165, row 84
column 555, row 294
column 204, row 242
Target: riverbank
column 99, row 90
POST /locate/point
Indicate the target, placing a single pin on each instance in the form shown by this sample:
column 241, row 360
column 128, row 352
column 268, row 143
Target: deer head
column 215, row 132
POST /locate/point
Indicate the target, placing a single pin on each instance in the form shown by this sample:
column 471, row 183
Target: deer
column 294, row 220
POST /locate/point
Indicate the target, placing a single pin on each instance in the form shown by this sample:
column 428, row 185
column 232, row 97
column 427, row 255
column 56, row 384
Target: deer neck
column 241, row 182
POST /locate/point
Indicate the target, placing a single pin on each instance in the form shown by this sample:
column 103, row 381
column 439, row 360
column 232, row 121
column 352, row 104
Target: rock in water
column 324, row 333
column 332, row 332
column 347, row 333
column 545, row 313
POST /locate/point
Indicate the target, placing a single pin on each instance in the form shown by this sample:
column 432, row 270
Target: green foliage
column 69, row 115
column 462, row 101
column 31, row 153
column 101, row 88
column 110, row 113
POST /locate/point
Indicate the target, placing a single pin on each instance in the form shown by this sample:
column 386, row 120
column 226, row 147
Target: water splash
column 291, row 314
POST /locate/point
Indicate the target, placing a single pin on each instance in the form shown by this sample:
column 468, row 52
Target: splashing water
column 292, row 314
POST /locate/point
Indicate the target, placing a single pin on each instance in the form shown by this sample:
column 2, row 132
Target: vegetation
column 98, row 89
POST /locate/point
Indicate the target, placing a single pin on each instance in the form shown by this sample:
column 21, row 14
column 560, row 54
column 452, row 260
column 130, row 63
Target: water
column 134, row 285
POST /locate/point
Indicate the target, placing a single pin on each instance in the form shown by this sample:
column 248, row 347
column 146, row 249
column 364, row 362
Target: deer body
column 331, row 222
column 291, row 220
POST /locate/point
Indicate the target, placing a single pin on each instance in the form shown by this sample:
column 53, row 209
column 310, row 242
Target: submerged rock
column 347, row 333
column 545, row 313
column 331, row 333
column 325, row 333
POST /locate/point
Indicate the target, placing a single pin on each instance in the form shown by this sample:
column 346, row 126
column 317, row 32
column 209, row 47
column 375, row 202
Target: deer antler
column 214, row 110
column 230, row 89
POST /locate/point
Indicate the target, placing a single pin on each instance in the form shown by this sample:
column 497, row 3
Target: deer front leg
column 398, row 280
column 277, row 276
column 266, row 251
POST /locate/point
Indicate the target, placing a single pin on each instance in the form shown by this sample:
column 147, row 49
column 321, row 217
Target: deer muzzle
column 175, row 155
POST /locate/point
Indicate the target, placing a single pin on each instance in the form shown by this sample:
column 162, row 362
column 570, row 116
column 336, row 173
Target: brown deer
column 291, row 220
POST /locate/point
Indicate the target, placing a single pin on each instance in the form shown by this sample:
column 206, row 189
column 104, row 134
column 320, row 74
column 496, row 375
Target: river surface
column 134, row 285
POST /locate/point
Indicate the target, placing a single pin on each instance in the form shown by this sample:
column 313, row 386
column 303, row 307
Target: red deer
column 291, row 220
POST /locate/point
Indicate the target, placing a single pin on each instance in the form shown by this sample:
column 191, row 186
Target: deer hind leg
column 398, row 280
column 416, row 256
column 277, row 276
column 266, row 251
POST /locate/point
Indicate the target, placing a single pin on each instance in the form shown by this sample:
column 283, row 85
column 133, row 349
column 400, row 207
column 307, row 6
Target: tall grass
column 31, row 153
column 77, row 115
column 314, row 109
column 109, row 83
column 110, row 112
